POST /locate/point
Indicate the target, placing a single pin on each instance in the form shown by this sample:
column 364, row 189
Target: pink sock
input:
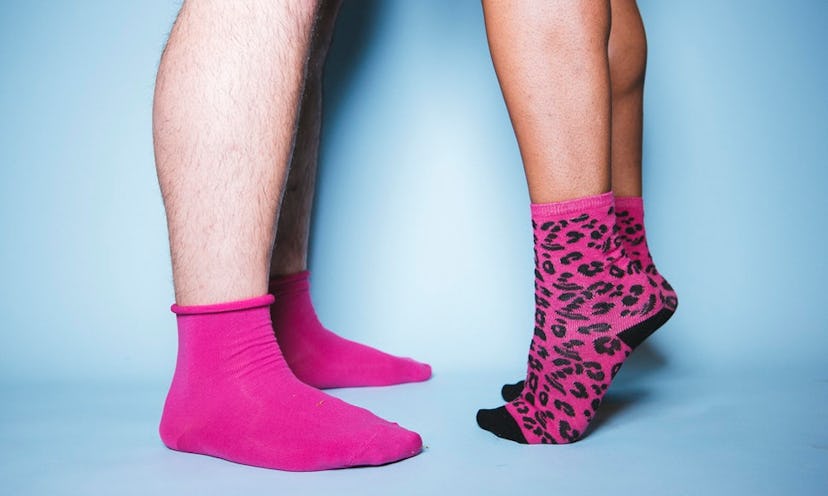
column 593, row 307
column 322, row 359
column 234, row 397
column 629, row 217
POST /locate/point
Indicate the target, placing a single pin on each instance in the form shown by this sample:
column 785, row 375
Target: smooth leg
column 594, row 305
column 627, row 62
column 628, row 66
column 551, row 61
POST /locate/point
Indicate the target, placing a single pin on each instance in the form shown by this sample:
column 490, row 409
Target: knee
column 627, row 57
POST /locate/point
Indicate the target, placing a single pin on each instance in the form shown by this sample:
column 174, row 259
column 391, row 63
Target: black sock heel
column 636, row 334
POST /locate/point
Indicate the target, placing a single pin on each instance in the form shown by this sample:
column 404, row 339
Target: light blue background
column 422, row 244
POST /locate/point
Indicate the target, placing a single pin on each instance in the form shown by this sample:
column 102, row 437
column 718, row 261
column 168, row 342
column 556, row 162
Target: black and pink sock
column 629, row 217
column 594, row 305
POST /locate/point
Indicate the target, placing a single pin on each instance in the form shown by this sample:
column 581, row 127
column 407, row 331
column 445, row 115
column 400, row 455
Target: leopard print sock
column 594, row 305
column 629, row 217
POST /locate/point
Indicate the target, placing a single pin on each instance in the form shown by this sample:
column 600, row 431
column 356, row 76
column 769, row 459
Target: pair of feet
column 237, row 395
column 246, row 394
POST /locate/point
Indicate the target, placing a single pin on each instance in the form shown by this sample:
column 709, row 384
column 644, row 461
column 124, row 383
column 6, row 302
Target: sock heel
column 170, row 435
column 636, row 334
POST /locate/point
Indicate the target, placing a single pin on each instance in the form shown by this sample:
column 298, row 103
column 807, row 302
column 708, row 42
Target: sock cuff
column 629, row 203
column 259, row 301
column 604, row 200
column 291, row 282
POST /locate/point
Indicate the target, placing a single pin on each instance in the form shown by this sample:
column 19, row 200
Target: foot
column 323, row 359
column 234, row 397
column 593, row 307
column 629, row 217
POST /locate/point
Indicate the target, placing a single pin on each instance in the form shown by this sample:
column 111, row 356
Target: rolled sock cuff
column 290, row 283
column 604, row 200
column 259, row 301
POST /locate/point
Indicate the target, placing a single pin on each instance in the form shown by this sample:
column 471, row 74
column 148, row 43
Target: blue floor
column 657, row 434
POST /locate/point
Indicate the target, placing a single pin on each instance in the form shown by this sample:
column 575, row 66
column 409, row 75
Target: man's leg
column 224, row 116
column 627, row 63
column 592, row 307
column 290, row 251
column 317, row 356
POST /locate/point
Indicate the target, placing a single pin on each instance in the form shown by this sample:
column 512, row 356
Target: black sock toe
column 510, row 392
column 501, row 424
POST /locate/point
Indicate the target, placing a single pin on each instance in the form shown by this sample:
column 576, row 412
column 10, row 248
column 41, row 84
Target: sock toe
column 323, row 359
column 420, row 371
column 391, row 444
column 396, row 370
column 510, row 392
column 499, row 422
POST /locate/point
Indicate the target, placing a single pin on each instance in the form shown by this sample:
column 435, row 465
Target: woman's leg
column 551, row 61
column 627, row 64
column 593, row 305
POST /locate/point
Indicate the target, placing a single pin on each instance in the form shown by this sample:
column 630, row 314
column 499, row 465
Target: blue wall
column 422, row 243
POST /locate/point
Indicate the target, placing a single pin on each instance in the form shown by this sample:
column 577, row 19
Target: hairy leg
column 316, row 355
column 290, row 252
column 224, row 118
column 226, row 99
